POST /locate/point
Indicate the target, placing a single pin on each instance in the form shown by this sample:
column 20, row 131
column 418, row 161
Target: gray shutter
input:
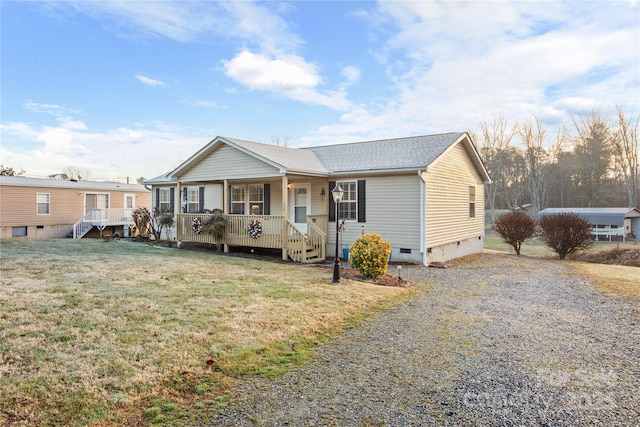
column 172, row 199
column 201, row 199
column 362, row 212
column 267, row 199
column 157, row 204
column 332, row 206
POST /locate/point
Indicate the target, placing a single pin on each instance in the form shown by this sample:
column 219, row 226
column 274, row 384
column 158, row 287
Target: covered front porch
column 276, row 232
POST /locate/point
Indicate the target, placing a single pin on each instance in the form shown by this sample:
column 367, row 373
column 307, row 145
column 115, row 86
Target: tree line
column 593, row 163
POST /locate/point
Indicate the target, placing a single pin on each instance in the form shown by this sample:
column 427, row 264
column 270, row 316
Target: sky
column 134, row 88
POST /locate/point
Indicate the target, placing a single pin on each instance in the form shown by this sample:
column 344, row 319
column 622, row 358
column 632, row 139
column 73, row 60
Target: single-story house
column 423, row 194
column 45, row 208
column 606, row 223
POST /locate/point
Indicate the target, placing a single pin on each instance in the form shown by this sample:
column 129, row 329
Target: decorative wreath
column 196, row 225
column 254, row 228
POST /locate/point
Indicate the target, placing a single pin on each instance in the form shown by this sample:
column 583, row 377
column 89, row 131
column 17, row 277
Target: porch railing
column 277, row 233
column 101, row 218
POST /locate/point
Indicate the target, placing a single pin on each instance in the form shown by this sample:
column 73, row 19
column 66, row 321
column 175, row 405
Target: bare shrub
column 515, row 228
column 565, row 233
column 147, row 223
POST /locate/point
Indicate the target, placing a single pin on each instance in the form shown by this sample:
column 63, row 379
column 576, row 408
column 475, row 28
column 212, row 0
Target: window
column 19, row 231
column 472, row 202
column 128, row 201
column 237, row 199
column 193, row 199
column 43, row 203
column 256, row 199
column 164, row 199
column 348, row 207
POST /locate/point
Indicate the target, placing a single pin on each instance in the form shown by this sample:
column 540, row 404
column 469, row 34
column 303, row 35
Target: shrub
column 515, row 228
column 370, row 255
column 565, row 233
column 147, row 223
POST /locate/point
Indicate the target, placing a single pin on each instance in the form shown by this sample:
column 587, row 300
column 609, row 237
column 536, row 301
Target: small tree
column 515, row 228
column 215, row 225
column 370, row 255
column 147, row 223
column 565, row 233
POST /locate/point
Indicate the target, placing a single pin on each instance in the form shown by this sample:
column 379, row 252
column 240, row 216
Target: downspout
column 423, row 216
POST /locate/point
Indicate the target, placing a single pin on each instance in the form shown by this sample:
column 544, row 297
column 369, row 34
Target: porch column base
column 226, row 248
column 284, row 254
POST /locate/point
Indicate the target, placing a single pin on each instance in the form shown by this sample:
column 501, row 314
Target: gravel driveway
column 502, row 340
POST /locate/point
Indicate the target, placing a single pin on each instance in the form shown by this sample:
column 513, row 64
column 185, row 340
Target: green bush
column 370, row 255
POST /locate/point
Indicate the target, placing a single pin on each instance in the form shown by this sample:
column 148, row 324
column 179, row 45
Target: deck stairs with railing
column 101, row 218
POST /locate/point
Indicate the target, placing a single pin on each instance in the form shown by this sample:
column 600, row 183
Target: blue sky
column 133, row 88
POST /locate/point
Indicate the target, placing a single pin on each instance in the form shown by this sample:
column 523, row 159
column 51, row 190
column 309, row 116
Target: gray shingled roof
column 63, row 183
column 293, row 159
column 413, row 152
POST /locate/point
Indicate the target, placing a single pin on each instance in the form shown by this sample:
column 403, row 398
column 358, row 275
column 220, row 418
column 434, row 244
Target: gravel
column 498, row 341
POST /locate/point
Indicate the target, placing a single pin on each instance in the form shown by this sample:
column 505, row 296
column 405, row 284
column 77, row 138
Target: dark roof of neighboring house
column 65, row 183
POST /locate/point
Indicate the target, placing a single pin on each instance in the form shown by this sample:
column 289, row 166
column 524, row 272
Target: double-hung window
column 193, row 199
column 472, row 201
column 256, row 199
column 237, row 199
column 43, row 203
column 348, row 207
column 164, row 202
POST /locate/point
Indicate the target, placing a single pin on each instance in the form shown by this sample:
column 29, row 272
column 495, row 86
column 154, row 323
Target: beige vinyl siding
column 447, row 199
column 228, row 163
column 213, row 196
column 66, row 205
column 392, row 210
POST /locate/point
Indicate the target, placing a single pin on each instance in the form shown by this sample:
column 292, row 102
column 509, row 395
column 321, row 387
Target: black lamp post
column 337, row 194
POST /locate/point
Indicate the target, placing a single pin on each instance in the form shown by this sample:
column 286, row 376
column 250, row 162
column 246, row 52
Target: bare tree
column 281, row 140
column 533, row 134
column 74, row 172
column 625, row 147
column 496, row 138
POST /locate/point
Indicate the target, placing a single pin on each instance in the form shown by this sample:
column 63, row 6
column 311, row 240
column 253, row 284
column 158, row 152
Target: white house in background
column 424, row 194
column 607, row 224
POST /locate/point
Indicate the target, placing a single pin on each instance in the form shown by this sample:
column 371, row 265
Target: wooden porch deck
column 277, row 233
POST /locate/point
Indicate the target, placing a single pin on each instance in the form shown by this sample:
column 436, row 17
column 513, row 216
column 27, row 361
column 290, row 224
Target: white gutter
column 423, row 217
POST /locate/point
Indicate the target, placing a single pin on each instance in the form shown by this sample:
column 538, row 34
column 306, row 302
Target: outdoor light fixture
column 337, row 194
column 399, row 271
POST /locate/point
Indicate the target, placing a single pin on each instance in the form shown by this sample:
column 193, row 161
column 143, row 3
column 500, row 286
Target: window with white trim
column 256, row 199
column 348, row 207
column 164, row 202
column 43, row 203
column 472, row 201
column 237, row 199
column 193, row 199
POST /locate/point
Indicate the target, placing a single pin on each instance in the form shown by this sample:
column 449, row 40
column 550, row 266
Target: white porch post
column 177, row 203
column 225, row 204
column 285, row 212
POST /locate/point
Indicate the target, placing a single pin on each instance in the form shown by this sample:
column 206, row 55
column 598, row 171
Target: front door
column 300, row 202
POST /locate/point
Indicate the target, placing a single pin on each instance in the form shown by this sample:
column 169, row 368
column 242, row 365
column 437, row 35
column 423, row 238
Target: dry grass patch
column 111, row 333
column 617, row 280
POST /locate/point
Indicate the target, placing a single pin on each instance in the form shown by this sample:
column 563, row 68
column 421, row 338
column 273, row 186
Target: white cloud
column 288, row 75
column 146, row 151
column 452, row 64
column 149, row 81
